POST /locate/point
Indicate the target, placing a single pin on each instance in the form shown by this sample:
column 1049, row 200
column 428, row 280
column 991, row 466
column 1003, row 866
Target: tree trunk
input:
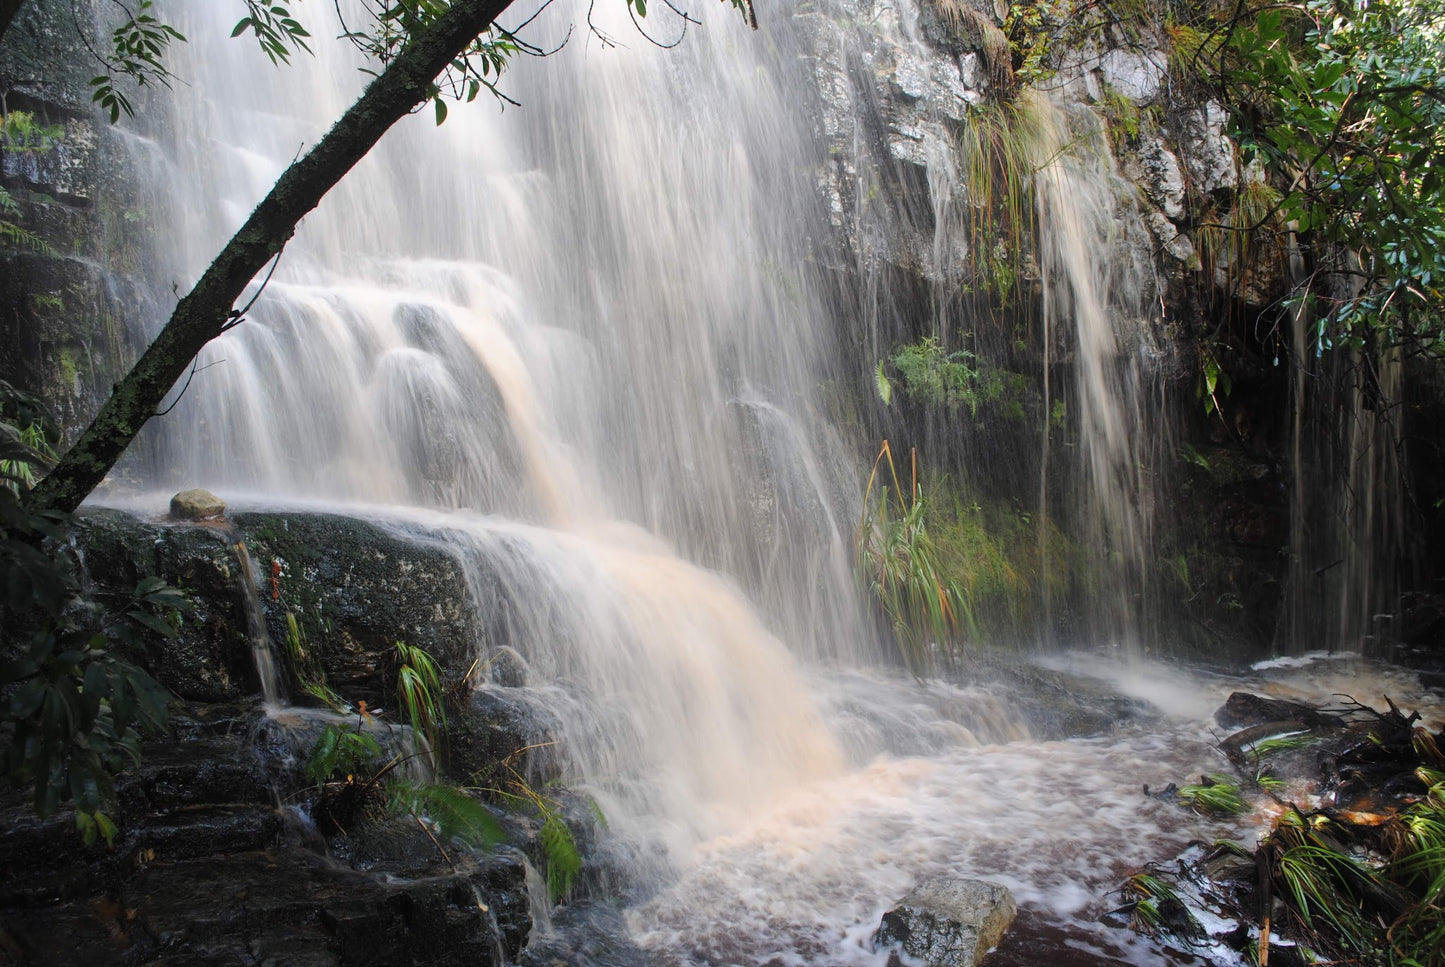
column 204, row 312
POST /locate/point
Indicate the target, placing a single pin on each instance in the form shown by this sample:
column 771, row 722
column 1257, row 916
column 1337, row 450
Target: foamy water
column 1061, row 823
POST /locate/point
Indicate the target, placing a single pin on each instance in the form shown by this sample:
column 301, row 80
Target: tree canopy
column 1343, row 104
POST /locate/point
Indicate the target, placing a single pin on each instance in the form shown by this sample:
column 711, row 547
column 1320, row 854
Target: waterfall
column 576, row 340
column 584, row 344
column 1081, row 213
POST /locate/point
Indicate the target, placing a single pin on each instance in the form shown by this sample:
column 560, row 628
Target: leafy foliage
column 934, row 377
column 1155, row 908
column 938, row 378
column 15, row 234
column 72, row 712
column 561, row 859
column 1357, row 881
column 139, row 44
column 306, row 665
column 1213, row 796
column 344, row 752
column 1343, row 104
column 21, row 133
column 391, row 22
column 352, row 777
column 456, row 816
column 560, row 849
column 274, row 28
column 138, row 48
column 137, row 51
column 419, row 690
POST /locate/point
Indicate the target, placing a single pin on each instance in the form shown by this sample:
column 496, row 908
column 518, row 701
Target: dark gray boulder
column 350, row 588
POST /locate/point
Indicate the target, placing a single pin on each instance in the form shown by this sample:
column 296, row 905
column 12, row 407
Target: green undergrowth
column 561, row 857
column 75, row 705
column 355, row 777
column 955, row 380
column 897, row 568
column 994, row 550
column 949, row 571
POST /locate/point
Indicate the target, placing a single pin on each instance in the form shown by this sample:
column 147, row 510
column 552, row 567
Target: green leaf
column 148, row 585
column 562, row 859
column 457, row 815
column 107, row 827
column 441, row 109
column 85, row 822
column 27, row 699
column 152, row 622
column 884, row 387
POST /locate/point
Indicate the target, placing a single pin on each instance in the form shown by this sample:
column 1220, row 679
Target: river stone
column 949, row 921
column 196, row 504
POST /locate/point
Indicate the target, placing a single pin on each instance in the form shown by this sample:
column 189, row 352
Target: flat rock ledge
column 948, row 921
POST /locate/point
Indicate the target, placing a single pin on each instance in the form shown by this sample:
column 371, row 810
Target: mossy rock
column 352, row 588
column 209, row 659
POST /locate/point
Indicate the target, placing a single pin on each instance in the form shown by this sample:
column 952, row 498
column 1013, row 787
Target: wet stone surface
column 214, row 861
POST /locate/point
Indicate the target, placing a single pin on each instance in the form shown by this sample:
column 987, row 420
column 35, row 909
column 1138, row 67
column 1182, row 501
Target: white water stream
column 579, row 343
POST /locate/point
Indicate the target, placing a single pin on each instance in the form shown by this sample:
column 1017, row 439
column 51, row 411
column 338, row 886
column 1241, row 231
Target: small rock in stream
column 949, row 921
column 196, row 504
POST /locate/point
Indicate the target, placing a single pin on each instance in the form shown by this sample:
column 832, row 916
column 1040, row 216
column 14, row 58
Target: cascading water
column 579, row 342
column 1078, row 220
column 603, row 315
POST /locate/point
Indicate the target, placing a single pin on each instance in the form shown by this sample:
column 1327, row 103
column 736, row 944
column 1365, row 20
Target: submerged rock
column 949, row 921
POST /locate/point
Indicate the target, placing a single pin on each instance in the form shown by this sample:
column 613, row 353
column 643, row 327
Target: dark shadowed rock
column 1242, row 709
column 209, row 659
column 351, row 588
column 948, row 921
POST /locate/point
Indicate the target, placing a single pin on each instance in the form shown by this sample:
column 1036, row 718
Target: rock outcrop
column 213, row 860
column 949, row 921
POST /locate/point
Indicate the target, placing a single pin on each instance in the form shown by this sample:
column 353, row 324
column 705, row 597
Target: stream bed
column 1062, row 823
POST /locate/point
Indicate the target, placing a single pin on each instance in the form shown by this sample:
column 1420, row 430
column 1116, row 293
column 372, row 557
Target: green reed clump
column 898, row 568
column 1213, row 796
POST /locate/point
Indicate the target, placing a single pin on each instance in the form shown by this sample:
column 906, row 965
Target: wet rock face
column 71, row 187
column 209, row 660
column 352, row 589
column 896, row 87
column 355, row 590
column 949, row 921
column 278, row 906
column 214, row 862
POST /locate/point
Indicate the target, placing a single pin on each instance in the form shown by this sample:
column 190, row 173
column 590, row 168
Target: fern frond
column 456, row 815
